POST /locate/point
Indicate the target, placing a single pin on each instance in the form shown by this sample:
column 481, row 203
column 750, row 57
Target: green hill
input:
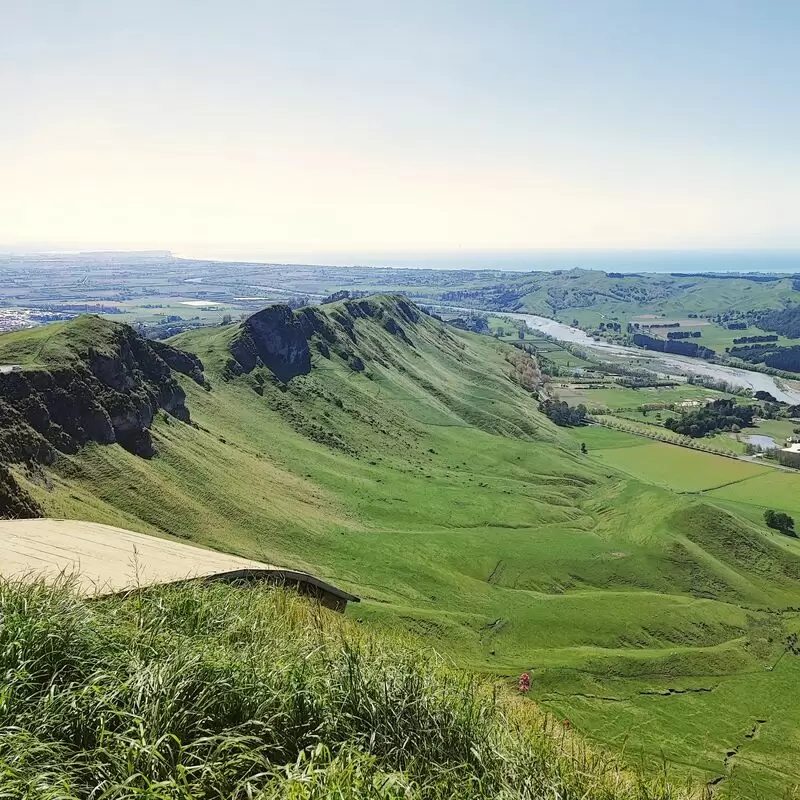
column 406, row 461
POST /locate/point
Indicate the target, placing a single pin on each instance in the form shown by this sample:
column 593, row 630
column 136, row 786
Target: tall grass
column 221, row 692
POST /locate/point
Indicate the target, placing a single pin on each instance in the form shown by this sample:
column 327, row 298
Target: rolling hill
column 407, row 461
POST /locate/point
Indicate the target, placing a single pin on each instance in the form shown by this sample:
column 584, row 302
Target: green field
column 673, row 467
column 615, row 396
column 714, row 336
column 429, row 484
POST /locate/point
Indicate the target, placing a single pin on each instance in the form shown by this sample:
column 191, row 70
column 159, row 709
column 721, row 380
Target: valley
column 407, row 461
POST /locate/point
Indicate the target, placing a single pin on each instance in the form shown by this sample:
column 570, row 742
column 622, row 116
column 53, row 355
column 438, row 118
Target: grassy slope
column 589, row 295
column 58, row 343
column 458, row 512
column 224, row 693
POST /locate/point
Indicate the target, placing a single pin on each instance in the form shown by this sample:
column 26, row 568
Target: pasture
column 672, row 467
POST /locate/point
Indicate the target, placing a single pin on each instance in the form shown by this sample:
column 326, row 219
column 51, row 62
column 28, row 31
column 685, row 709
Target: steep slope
column 374, row 445
column 89, row 381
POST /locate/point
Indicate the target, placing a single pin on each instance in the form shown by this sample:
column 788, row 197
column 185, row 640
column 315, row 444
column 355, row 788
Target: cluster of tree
column 785, row 321
column 755, row 339
column 752, row 352
column 563, row 414
column 781, row 358
column 786, row 458
column 497, row 296
column 720, row 415
column 610, row 326
column 663, row 325
column 779, row 521
column 765, row 396
column 477, row 323
column 642, row 382
column 716, row 383
column 669, row 346
column 736, row 326
column 525, row 370
column 684, row 335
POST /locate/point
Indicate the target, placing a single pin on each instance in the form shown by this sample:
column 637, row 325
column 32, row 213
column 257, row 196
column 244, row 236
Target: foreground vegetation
column 195, row 693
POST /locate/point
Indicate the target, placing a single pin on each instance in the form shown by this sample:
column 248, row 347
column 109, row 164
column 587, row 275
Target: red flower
column 524, row 684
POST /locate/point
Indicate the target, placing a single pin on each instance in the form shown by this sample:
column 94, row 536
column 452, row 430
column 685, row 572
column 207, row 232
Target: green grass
column 779, row 490
column 430, row 485
column 220, row 692
column 678, row 468
column 615, row 396
column 57, row 344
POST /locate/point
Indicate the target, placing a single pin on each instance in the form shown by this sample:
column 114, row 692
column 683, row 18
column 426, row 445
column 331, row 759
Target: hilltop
column 406, row 460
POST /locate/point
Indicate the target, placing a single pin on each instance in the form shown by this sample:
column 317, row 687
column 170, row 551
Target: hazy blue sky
column 301, row 127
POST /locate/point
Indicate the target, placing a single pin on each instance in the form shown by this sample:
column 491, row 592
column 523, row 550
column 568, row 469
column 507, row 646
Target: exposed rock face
column 280, row 339
column 276, row 338
column 185, row 363
column 14, row 502
column 105, row 397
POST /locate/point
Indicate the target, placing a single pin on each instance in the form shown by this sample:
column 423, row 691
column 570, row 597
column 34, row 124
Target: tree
column 779, row 521
column 583, row 448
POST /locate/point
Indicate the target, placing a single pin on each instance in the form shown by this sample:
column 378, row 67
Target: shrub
column 779, row 521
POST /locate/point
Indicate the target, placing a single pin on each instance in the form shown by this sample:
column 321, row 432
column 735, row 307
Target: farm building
column 106, row 560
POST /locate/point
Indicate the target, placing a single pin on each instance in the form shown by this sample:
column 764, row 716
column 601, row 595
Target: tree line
column 670, row 346
column 684, row 335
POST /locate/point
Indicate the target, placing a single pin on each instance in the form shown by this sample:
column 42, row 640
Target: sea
column 627, row 261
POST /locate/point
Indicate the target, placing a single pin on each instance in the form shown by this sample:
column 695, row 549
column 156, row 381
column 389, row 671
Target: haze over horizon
column 371, row 128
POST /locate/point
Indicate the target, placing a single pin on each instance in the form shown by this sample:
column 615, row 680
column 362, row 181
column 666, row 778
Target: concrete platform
column 107, row 560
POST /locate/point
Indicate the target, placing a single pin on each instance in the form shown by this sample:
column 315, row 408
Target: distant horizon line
column 779, row 261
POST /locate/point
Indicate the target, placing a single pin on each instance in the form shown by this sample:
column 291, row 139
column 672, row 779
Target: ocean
column 778, row 261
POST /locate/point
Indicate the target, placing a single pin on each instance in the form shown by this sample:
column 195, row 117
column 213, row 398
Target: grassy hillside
column 404, row 463
column 590, row 295
column 215, row 693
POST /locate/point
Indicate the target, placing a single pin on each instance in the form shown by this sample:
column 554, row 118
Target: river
column 665, row 362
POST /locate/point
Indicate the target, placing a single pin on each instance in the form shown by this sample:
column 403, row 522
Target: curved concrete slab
column 108, row 560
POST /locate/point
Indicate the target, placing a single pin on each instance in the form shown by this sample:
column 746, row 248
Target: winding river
column 663, row 362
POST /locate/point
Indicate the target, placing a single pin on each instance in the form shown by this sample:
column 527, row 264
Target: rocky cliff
column 109, row 386
column 283, row 340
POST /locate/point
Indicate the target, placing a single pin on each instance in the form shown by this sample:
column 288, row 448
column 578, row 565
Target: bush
column 779, row 521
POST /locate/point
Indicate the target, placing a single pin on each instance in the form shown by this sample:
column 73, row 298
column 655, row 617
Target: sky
column 294, row 129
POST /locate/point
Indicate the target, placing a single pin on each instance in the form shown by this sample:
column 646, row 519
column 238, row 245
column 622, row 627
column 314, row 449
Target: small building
column 792, row 448
column 105, row 560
